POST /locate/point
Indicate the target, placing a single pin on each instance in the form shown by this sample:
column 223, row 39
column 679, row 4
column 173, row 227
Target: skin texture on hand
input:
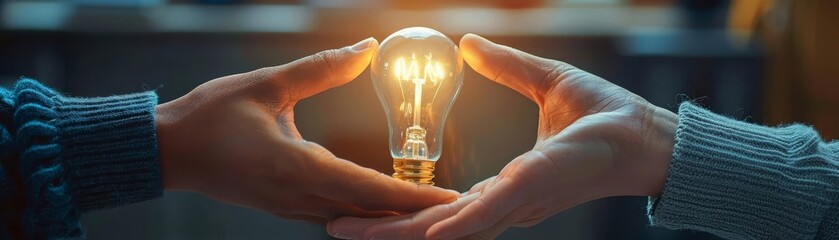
column 595, row 140
column 234, row 139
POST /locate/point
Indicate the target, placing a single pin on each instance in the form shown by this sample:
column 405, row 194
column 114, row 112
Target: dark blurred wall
column 803, row 42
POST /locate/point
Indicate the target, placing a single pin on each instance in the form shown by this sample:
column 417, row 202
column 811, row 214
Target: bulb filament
column 431, row 72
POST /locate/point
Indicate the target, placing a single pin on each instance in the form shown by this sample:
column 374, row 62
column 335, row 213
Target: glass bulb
column 417, row 73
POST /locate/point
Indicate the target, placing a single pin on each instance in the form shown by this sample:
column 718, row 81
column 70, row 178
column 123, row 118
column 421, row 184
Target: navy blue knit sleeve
column 62, row 156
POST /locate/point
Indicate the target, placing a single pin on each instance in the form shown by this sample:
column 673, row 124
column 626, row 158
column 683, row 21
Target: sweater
column 743, row 181
column 61, row 156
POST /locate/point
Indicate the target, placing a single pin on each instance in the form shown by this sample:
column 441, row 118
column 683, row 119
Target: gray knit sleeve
column 744, row 181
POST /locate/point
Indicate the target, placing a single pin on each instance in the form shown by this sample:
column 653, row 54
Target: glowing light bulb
column 417, row 73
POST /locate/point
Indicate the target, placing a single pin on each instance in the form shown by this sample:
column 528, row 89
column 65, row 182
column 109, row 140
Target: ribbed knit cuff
column 110, row 149
column 744, row 181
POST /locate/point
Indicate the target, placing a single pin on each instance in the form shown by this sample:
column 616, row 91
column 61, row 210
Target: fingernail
column 340, row 235
column 363, row 45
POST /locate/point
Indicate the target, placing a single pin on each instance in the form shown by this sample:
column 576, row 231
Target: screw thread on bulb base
column 415, row 171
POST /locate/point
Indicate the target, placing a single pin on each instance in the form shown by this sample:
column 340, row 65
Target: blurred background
column 762, row 61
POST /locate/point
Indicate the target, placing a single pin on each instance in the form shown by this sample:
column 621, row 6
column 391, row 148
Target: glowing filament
column 410, row 71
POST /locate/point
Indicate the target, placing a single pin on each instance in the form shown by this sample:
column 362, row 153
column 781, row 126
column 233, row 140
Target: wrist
column 168, row 165
column 660, row 136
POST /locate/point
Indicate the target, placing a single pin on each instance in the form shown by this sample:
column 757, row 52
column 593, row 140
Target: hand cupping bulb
column 417, row 73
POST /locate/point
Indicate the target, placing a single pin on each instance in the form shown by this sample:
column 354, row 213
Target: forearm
column 744, row 181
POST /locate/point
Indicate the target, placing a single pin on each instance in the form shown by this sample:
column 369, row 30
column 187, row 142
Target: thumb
column 521, row 71
column 323, row 70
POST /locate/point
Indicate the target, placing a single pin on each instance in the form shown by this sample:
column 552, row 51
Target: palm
column 579, row 119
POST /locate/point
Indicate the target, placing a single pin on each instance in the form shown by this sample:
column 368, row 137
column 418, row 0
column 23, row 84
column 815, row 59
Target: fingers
column 487, row 211
column 346, row 182
column 324, row 70
column 521, row 71
column 411, row 226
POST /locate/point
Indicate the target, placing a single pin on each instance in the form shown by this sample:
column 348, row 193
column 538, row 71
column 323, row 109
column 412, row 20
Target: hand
column 234, row 139
column 595, row 140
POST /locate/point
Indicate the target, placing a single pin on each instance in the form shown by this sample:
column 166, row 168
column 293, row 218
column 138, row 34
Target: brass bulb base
column 415, row 171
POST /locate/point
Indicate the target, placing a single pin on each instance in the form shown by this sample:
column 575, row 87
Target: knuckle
column 552, row 73
column 555, row 71
column 322, row 57
column 324, row 60
column 509, row 57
